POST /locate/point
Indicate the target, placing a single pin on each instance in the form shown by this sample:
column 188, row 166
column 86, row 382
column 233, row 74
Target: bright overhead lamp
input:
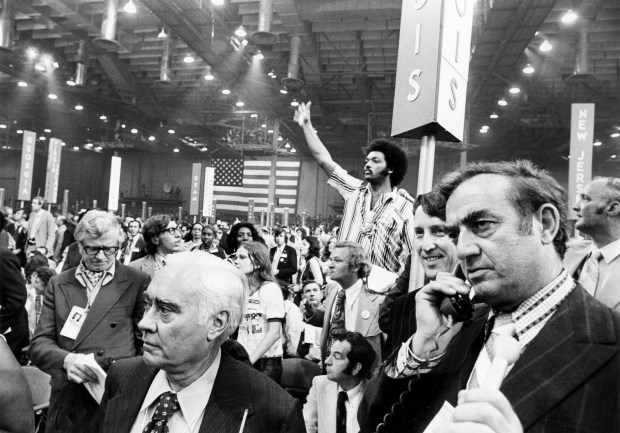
column 22, row 84
column 151, row 138
column 529, row 69
column 70, row 82
column 162, row 34
column 483, row 131
column 484, row 127
column 270, row 131
column 287, row 145
column 2, row 126
column 502, row 102
column 103, row 117
column 240, row 32
column 209, row 74
column 569, row 17
column 615, row 135
column 493, row 116
column 294, row 103
column 225, row 91
column 283, row 91
column 52, row 96
column 31, row 52
column 20, row 131
column 130, row 8
column 613, row 156
column 47, row 130
column 293, row 150
column 99, row 148
column 188, row 58
column 272, row 73
column 217, row 2
column 253, row 115
column 134, row 131
column 40, row 67
column 280, row 138
column 76, row 148
column 203, row 149
column 88, row 145
column 42, row 138
column 514, row 90
column 239, row 103
column 259, row 55
column 545, row 46
column 171, row 131
column 597, row 143
column 175, row 150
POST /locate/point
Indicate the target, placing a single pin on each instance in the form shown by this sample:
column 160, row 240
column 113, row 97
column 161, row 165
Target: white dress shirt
column 354, row 397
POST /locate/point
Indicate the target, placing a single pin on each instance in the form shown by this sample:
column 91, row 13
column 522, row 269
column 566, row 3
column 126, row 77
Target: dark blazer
column 73, row 257
column 566, row 380
column 12, row 300
column 138, row 251
column 110, row 331
column 287, row 265
column 237, row 387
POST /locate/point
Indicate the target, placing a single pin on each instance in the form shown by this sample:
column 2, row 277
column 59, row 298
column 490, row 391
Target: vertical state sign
column 581, row 140
column 195, row 189
column 207, row 200
column 25, row 173
column 432, row 69
column 53, row 170
column 115, row 183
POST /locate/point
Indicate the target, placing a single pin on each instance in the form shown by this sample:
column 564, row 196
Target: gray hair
column 222, row 287
column 96, row 223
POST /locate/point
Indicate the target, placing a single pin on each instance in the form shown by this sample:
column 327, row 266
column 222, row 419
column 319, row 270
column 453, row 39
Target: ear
column 219, row 325
column 356, row 369
column 613, row 208
column 155, row 240
column 548, row 218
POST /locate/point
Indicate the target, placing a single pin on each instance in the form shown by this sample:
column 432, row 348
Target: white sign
column 115, row 183
column 207, row 201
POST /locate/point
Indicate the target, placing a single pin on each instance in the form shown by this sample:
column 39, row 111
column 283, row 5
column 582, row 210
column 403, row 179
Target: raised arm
column 317, row 148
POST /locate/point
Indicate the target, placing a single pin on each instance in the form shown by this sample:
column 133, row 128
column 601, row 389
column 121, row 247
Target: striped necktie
column 589, row 273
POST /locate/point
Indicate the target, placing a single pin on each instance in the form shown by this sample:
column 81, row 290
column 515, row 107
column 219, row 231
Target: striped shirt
column 529, row 318
column 385, row 231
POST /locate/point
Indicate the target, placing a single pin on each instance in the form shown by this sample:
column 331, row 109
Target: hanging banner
column 115, row 183
column 195, row 189
column 25, row 173
column 207, row 200
column 580, row 162
column 53, row 170
column 285, row 217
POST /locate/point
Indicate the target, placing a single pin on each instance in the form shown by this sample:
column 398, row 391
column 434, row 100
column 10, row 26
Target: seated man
column 333, row 399
column 192, row 305
column 310, row 340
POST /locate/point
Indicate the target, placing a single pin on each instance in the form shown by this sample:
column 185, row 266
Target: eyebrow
column 162, row 302
column 476, row 215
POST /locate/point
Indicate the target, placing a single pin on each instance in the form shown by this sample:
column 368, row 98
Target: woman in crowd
column 193, row 239
column 326, row 253
column 311, row 270
column 260, row 331
column 162, row 237
column 239, row 233
column 208, row 235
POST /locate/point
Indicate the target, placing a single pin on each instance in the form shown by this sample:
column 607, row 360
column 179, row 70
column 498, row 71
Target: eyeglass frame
column 171, row 230
column 87, row 247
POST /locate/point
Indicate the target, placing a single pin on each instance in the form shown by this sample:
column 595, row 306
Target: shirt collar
column 353, row 393
column 354, row 291
column 107, row 277
column 193, row 398
column 610, row 251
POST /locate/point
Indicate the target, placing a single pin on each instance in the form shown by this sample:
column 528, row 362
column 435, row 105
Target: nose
column 466, row 246
column 428, row 243
column 328, row 361
column 147, row 324
column 101, row 255
column 577, row 205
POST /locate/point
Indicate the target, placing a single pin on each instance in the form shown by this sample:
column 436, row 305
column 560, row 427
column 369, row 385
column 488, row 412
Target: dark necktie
column 337, row 323
column 38, row 305
column 167, row 405
column 341, row 412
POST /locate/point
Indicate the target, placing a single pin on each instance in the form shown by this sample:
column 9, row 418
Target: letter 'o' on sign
column 419, row 4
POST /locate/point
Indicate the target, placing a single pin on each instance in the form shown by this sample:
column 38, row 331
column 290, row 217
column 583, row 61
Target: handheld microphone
column 403, row 193
column 507, row 352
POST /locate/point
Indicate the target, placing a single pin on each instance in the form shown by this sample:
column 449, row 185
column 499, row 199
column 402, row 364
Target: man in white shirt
column 185, row 382
column 596, row 263
column 333, row 399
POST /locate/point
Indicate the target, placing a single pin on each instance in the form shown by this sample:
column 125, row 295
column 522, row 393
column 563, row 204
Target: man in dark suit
column 13, row 316
column 92, row 310
column 510, row 224
column 283, row 258
column 134, row 246
column 193, row 305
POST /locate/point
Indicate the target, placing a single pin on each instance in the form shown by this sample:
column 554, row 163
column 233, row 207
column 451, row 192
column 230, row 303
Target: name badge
column 74, row 322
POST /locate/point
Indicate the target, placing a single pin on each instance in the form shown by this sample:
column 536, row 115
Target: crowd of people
column 514, row 326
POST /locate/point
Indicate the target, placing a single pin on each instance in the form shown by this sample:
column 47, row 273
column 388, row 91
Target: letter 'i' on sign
column 195, row 188
column 581, row 142
column 25, row 173
column 432, row 69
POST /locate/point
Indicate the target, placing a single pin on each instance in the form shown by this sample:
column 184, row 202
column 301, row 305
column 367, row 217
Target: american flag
column 233, row 196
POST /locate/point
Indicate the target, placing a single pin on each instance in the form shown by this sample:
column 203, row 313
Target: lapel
column 578, row 339
column 576, row 252
column 327, row 408
column 366, row 304
column 106, row 298
column 123, row 408
column 229, row 399
column 73, row 291
column 607, row 291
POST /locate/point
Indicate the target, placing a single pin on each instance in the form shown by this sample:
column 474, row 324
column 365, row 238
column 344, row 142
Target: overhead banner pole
column 431, row 76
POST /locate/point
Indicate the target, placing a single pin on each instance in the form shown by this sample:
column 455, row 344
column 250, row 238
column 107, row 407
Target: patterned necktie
column 167, row 405
column 337, row 322
column 500, row 324
column 38, row 304
column 589, row 273
column 93, row 277
column 341, row 412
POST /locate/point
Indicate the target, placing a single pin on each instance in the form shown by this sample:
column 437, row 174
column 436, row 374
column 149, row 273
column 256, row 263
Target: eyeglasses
column 171, row 230
column 93, row 251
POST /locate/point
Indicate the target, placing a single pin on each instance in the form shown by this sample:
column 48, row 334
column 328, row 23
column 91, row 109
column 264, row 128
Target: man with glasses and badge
column 162, row 237
column 90, row 315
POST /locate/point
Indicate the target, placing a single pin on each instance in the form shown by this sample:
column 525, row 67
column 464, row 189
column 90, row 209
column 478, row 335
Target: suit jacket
column 566, row 380
column 138, row 250
column 287, row 265
column 237, row 387
column 73, row 257
column 110, row 331
column 45, row 233
column 608, row 292
column 146, row 264
column 13, row 296
column 320, row 409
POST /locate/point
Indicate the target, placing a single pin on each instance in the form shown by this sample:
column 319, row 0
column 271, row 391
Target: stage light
column 162, row 34
column 188, row 58
column 175, row 150
column 225, row 92
column 134, row 131
column 151, row 138
column 31, row 53
column 2, row 126
column 545, row 46
column 240, row 32
column 569, row 17
column 597, row 143
column 130, row 8
column 514, row 90
column 615, row 135
column 529, row 69
column 502, row 102
column 52, row 96
column 70, row 82
column 239, row 103
column 209, row 74
column 88, row 145
column 39, row 67
column 259, row 55
column 55, row 65
column 76, row 148
column 493, row 116
column 22, row 84
column 20, row 131
column 171, row 131
column 203, row 149
column 294, row 103
column 283, row 91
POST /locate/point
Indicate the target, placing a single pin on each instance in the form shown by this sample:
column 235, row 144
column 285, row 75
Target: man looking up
column 375, row 215
column 596, row 263
column 162, row 237
column 509, row 220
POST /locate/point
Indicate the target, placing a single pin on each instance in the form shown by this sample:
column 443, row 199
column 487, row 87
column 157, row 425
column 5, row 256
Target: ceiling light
column 280, row 138
column 484, row 127
column 2, row 126
column 293, row 150
column 217, row 2
column 493, row 116
column 514, row 90
column 31, row 53
column 209, row 74
column 294, row 103
column 240, row 32
column 272, row 73
column 88, row 145
column 99, row 148
column 47, row 130
column 39, row 67
column 253, row 115
column 502, row 102
column 103, row 117
column 22, row 84
column 171, row 131
column 283, row 91
column 597, row 143
column 52, row 96
column 287, row 145
column 130, row 8
column 175, row 150
column 162, row 34
column 529, row 69
column 615, row 135
column 70, row 82
column 20, row 131
column 42, row 138
column 188, row 58
column 134, row 131
column 203, row 149
column 569, row 17
column 151, row 138
column 259, row 55
column 63, row 144
column 239, row 103
column 76, row 148
column 545, row 46
column 225, row 92
column 483, row 131
column 270, row 131
column 612, row 156
column 263, row 125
